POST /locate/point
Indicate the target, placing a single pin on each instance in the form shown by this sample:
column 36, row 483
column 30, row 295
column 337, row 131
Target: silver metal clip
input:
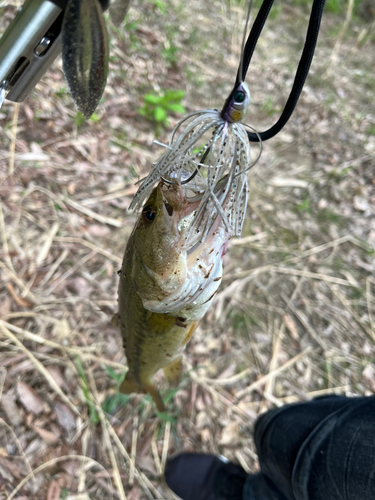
column 28, row 47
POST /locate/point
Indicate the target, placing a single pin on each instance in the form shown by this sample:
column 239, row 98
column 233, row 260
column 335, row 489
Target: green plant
column 94, row 415
column 304, row 206
column 160, row 5
column 113, row 402
column 269, row 106
column 170, row 53
column 79, row 119
column 334, row 6
column 156, row 107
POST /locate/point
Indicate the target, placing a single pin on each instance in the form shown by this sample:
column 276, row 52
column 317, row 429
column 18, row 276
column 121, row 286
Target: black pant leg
column 280, row 433
column 337, row 460
column 282, row 436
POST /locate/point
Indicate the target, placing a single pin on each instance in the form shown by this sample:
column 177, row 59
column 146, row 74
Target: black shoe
column 259, row 487
column 194, row 476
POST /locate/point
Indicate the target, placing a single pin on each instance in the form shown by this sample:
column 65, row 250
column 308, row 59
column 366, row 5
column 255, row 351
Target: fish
column 167, row 282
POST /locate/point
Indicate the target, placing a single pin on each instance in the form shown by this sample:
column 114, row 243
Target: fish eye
column 149, row 214
column 239, row 96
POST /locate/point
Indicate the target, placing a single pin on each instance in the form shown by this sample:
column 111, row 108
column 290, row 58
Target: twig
column 107, row 439
column 39, row 367
column 164, row 454
column 75, row 351
column 133, row 452
column 155, row 453
column 263, row 380
column 88, row 244
column 348, row 307
column 94, row 215
column 248, row 239
column 52, row 462
column 43, row 251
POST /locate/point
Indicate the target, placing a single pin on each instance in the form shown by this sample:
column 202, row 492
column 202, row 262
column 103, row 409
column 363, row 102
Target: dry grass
column 295, row 315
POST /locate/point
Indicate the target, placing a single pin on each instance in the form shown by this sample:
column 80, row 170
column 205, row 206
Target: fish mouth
column 177, row 205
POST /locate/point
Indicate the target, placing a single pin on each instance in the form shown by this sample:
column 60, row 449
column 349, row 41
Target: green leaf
column 152, row 99
column 111, row 403
column 176, row 108
column 160, row 114
column 118, row 377
column 166, row 417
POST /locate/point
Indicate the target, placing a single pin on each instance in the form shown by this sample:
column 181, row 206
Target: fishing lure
column 212, row 145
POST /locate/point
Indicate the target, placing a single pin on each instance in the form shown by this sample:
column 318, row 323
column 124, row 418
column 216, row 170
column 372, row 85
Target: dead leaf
column 65, row 417
column 11, row 466
column 134, row 494
column 146, row 463
column 54, row 491
column 29, row 398
column 205, row 435
column 229, row 434
column 61, row 329
column 57, row 375
column 12, row 411
column 99, row 230
column 47, row 436
column 291, row 326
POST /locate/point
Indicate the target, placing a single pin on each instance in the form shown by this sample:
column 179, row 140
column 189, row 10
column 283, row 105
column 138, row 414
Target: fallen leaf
column 291, row 326
column 47, row 436
column 61, row 329
column 205, row 435
column 146, row 463
column 98, row 230
column 229, row 434
column 54, row 491
column 65, row 417
column 57, row 376
column 11, row 467
column 12, row 411
column 29, row 398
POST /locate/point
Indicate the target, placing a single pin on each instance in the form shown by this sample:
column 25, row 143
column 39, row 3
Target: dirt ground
column 295, row 315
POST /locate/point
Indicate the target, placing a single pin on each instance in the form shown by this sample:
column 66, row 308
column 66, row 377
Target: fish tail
column 130, row 386
column 156, row 397
column 173, row 372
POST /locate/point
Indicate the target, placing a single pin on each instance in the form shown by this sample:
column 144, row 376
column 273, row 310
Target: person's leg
column 279, row 434
column 337, row 460
column 201, row 477
column 318, row 450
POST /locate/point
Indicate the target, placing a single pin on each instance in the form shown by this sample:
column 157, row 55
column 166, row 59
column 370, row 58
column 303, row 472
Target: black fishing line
column 303, row 66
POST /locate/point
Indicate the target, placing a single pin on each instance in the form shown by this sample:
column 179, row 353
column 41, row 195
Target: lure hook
column 186, row 181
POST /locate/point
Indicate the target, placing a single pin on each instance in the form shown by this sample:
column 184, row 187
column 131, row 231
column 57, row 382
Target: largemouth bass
column 167, row 282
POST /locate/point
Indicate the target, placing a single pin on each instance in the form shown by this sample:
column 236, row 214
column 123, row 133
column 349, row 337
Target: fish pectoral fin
column 173, row 372
column 130, row 386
